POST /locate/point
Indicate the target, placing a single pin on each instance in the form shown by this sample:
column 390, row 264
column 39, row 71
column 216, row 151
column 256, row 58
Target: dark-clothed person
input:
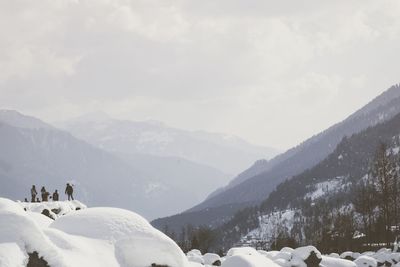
column 33, row 193
column 45, row 194
column 69, row 190
column 55, row 196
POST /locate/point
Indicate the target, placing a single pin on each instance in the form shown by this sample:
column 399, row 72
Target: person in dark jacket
column 45, row 194
column 69, row 190
column 33, row 193
column 55, row 196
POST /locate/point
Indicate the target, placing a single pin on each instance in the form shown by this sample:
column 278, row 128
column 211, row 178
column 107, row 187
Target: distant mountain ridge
column 17, row 119
column 34, row 152
column 254, row 189
column 227, row 153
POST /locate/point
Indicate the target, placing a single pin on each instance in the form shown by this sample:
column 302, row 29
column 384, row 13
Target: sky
column 272, row 72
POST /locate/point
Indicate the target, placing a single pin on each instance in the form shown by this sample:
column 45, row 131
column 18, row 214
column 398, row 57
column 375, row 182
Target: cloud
column 254, row 68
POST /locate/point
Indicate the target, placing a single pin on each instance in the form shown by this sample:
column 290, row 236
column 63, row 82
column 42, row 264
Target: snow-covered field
column 73, row 235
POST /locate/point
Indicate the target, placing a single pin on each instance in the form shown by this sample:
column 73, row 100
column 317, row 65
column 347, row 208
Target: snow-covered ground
column 307, row 256
column 325, row 188
column 81, row 236
column 271, row 224
column 73, row 235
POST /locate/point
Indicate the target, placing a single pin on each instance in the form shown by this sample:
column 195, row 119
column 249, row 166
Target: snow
column 62, row 207
column 267, row 225
column 210, row 258
column 304, row 252
column 196, row 258
column 112, row 237
column 324, row 188
column 88, row 237
column 11, row 255
column 335, row 262
column 243, row 260
column 363, row 261
column 241, row 251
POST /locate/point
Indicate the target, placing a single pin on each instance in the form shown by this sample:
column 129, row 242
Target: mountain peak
column 17, row 119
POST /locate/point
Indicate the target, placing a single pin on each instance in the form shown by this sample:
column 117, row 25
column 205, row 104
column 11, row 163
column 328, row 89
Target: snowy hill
column 224, row 152
column 35, row 153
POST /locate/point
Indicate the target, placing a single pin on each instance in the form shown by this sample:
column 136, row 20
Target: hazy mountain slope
column 329, row 183
column 152, row 186
column 16, row 119
column 252, row 190
column 308, row 153
column 350, row 161
column 178, row 176
column 227, row 153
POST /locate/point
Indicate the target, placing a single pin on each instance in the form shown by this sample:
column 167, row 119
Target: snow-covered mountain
column 307, row 154
column 227, row 153
column 327, row 188
column 33, row 152
column 255, row 184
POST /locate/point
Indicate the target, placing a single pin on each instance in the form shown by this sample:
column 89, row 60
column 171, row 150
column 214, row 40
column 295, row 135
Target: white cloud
column 257, row 68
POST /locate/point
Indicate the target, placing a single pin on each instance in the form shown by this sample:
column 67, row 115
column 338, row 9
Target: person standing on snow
column 45, row 194
column 33, row 193
column 69, row 190
column 55, row 195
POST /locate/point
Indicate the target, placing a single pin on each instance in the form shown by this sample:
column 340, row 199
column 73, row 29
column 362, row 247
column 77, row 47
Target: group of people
column 69, row 191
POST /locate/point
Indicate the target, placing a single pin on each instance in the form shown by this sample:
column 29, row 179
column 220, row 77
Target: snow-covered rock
column 196, row 258
column 242, row 251
column 305, row 252
column 211, row 258
column 336, row 262
column 348, row 255
column 98, row 237
column 194, row 252
column 245, row 260
column 366, row 261
column 334, row 255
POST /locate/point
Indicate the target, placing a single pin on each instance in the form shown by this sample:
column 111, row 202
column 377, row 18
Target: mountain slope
column 227, row 153
column 308, row 153
column 36, row 153
column 16, row 119
column 326, row 187
column 252, row 190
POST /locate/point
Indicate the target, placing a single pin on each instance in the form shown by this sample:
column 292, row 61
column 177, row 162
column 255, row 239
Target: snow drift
column 82, row 237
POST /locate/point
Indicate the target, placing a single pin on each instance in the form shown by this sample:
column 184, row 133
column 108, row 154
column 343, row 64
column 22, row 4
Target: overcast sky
column 272, row 72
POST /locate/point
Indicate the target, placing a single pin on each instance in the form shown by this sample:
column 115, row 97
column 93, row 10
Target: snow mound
column 304, row 252
column 365, row 261
column 11, row 255
column 336, row 262
column 210, row 258
column 92, row 237
column 243, row 260
column 242, row 251
column 110, row 224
